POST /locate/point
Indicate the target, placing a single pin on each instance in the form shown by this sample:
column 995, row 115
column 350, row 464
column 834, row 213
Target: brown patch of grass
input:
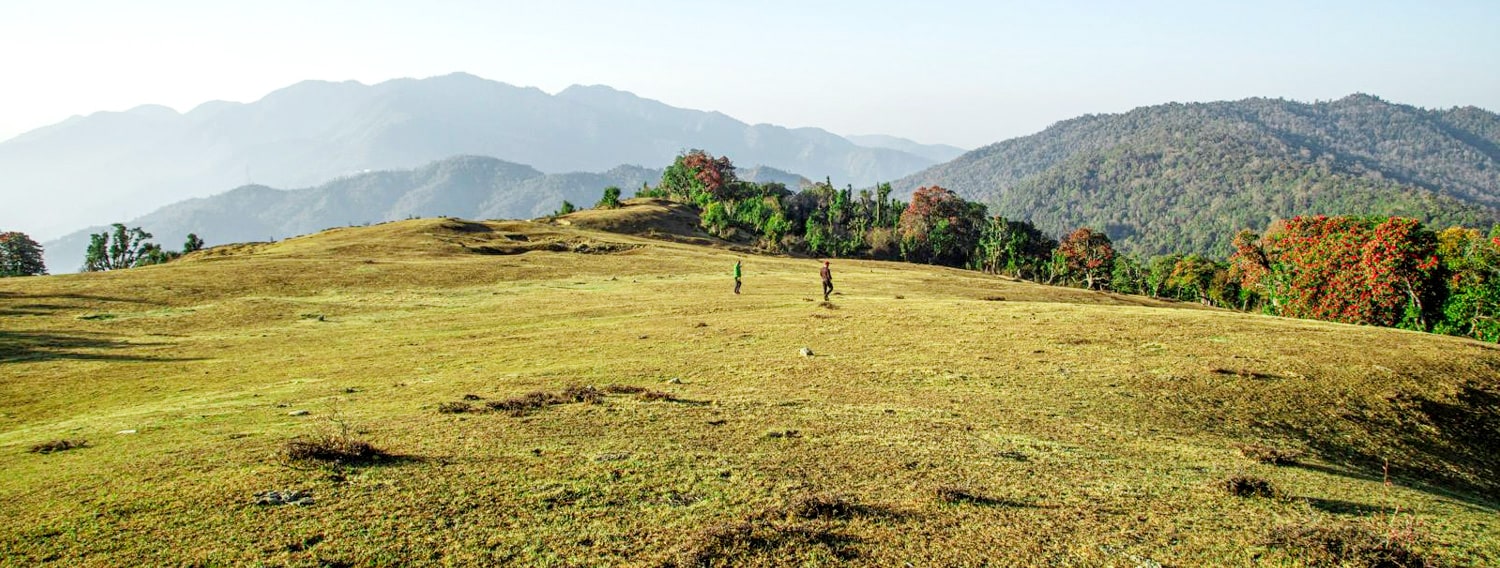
column 1349, row 544
column 459, row 407
column 783, row 434
column 472, row 397
column 993, row 298
column 52, row 446
column 828, row 305
column 582, row 393
column 624, row 389
column 952, row 493
column 1247, row 486
column 1270, row 455
column 654, row 396
column 340, row 449
column 730, row 544
column 821, row 505
column 806, row 521
column 520, row 405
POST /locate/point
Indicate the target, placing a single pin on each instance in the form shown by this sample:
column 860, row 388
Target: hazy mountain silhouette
column 934, row 152
column 111, row 166
column 471, row 187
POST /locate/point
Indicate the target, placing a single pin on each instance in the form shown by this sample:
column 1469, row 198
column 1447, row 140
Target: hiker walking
column 827, row 274
column 736, row 276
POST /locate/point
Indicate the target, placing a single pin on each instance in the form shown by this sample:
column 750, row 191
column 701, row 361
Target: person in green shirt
column 736, row 276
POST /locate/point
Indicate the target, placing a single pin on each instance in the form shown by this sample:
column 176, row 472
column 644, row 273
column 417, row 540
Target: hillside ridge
column 1186, row 177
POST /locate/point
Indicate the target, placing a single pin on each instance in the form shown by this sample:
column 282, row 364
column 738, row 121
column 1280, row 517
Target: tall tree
column 193, row 243
column 610, row 199
column 122, row 248
column 20, row 256
column 939, row 227
column 1089, row 256
column 1472, row 264
column 1016, row 248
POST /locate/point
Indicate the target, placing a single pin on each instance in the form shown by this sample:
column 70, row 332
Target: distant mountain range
column 112, row 166
column 471, row 187
column 935, row 152
column 1160, row 179
column 1186, row 177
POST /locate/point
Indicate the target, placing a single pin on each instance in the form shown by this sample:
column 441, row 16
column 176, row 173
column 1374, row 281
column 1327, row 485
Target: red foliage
column 928, row 205
column 1088, row 254
column 712, row 172
column 1347, row 269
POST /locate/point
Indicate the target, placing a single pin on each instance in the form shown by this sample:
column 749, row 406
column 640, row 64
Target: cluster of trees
column 1388, row 271
column 818, row 220
column 114, row 249
column 1376, row 271
column 936, row 227
column 129, row 248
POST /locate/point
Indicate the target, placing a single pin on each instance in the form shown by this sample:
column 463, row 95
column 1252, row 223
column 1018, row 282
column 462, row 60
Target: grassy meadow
column 944, row 417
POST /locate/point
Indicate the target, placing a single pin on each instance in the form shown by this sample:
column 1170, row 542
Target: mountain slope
column 935, row 152
column 1187, row 177
column 467, row 186
column 464, row 186
column 118, row 165
column 943, row 418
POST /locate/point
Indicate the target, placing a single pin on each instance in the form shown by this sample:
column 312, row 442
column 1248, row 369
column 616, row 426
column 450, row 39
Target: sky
column 961, row 73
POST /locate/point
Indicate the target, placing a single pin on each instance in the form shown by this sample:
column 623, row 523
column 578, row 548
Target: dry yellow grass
column 946, row 418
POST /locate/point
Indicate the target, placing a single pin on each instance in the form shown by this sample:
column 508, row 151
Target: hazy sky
column 963, row 73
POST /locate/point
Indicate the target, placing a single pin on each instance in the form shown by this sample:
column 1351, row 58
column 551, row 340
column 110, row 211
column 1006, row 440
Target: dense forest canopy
column 1183, row 178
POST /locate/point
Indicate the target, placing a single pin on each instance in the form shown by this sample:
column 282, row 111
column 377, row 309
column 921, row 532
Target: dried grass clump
column 624, row 389
column 1270, row 455
column 455, row 407
column 1247, row 486
column 736, row 543
column 520, row 405
column 334, row 448
column 583, row 393
column 1350, row 544
column 821, row 506
column 654, row 396
column 956, row 493
column 52, row 446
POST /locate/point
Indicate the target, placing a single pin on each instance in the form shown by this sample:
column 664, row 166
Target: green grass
column 1090, row 429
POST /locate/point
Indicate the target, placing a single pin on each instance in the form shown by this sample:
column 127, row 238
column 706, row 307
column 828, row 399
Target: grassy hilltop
column 945, row 417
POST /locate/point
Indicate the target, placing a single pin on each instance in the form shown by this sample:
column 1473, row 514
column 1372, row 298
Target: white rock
column 126, row 432
column 298, row 413
column 807, row 352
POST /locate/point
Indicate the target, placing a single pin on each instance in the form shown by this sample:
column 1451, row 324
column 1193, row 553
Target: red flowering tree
column 1088, row 256
column 939, row 227
column 697, row 177
column 1345, row 269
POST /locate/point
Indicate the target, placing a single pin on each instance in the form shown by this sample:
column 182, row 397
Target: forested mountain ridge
column 1186, row 177
column 473, row 187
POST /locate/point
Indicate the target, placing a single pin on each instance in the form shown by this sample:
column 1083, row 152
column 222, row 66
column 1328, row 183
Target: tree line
column 113, row 249
column 1386, row 271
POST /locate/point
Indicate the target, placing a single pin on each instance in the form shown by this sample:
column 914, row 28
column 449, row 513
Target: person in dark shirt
column 827, row 274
